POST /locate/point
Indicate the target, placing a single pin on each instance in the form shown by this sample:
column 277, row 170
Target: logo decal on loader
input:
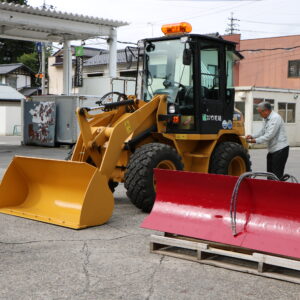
column 128, row 127
column 181, row 137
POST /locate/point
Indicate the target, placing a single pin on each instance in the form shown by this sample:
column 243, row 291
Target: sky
column 257, row 18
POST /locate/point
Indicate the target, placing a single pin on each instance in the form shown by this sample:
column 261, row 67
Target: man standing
column 273, row 133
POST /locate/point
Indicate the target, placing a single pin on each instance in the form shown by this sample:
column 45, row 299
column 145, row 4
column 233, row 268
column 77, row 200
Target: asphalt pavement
column 40, row 261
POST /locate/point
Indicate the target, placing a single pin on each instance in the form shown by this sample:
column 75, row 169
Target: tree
column 30, row 60
column 13, row 51
column 33, row 60
column 21, row 2
column 10, row 50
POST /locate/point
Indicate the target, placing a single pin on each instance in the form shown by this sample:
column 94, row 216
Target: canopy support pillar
column 112, row 41
column 67, row 68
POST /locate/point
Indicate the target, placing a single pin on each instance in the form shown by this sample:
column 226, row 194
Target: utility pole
column 47, row 6
column 151, row 24
column 43, row 69
column 232, row 25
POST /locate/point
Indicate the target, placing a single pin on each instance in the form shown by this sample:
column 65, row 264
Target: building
column 268, row 62
column 95, row 71
column 283, row 101
column 126, row 64
column 55, row 69
column 10, row 110
column 16, row 81
column 16, row 75
column 270, row 71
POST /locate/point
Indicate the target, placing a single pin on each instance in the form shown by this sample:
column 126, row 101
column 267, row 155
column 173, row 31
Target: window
column 128, row 74
column 209, row 72
column 58, row 59
column 94, row 74
column 256, row 101
column 287, row 112
column 12, row 81
column 164, row 71
column 231, row 57
column 256, row 115
column 294, row 68
column 212, row 69
column 240, row 106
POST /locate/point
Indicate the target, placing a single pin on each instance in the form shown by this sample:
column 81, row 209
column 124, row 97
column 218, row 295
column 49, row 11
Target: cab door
column 212, row 92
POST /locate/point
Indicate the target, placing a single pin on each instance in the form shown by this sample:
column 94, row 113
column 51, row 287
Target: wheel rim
column 237, row 166
column 166, row 165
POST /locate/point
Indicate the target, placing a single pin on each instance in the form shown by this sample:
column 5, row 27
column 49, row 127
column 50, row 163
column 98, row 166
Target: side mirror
column 187, row 57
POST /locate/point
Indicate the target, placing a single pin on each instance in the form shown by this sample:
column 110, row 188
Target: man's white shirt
column 273, row 133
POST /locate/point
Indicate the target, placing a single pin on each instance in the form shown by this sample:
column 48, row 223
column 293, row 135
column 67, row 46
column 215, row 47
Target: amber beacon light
column 176, row 28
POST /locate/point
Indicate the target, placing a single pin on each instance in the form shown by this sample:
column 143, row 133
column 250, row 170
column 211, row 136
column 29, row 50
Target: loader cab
column 195, row 72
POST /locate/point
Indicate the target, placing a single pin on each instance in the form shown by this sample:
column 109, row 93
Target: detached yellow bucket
column 65, row 193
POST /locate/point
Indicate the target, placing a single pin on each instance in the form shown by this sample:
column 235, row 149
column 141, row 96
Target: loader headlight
column 172, row 109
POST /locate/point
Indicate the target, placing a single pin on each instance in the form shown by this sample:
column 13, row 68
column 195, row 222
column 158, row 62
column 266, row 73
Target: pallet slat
column 228, row 257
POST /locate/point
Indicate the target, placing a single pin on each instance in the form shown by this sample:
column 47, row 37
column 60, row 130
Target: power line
column 256, row 58
column 260, row 31
column 270, row 23
column 270, row 49
column 208, row 12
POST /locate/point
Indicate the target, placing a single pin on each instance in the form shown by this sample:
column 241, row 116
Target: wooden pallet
column 225, row 256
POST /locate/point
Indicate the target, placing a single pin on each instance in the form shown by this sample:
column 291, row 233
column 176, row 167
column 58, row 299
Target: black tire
column 139, row 175
column 70, row 153
column 226, row 154
column 112, row 185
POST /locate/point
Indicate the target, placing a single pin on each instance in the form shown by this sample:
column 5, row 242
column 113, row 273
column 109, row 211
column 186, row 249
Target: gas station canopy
column 28, row 23
column 20, row 22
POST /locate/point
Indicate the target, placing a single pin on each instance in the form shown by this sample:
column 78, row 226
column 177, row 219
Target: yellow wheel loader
column 185, row 121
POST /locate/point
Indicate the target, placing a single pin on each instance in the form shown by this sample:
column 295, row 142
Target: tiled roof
column 103, row 58
column 29, row 91
column 7, row 93
column 88, row 51
column 8, row 68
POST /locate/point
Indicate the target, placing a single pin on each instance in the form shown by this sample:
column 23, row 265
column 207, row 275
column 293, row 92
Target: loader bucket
column 65, row 193
column 198, row 205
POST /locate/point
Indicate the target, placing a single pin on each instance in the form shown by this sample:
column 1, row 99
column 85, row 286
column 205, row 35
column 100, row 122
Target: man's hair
column 264, row 106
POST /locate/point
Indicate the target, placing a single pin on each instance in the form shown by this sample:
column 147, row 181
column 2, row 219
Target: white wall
column 10, row 115
column 98, row 86
column 23, row 81
column 2, row 120
column 292, row 129
column 55, row 77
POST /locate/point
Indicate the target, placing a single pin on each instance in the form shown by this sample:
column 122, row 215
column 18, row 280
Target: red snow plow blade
column 267, row 213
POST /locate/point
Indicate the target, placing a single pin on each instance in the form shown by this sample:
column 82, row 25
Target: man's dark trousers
column 276, row 161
